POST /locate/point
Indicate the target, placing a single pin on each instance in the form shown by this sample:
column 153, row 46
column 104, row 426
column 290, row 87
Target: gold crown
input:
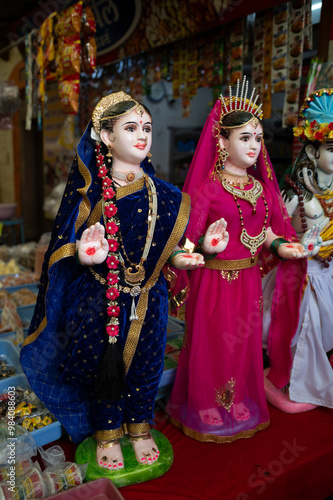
column 240, row 102
column 105, row 103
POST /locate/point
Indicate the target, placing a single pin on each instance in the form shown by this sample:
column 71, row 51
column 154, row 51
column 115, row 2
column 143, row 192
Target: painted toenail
column 101, row 463
column 114, row 466
column 143, row 459
column 105, row 463
column 109, row 465
column 154, row 458
column 120, row 464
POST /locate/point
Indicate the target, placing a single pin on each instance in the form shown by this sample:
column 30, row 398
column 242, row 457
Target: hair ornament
column 106, row 102
column 240, row 102
column 316, row 117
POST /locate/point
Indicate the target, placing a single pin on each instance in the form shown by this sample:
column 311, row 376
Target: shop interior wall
column 168, row 113
column 7, row 183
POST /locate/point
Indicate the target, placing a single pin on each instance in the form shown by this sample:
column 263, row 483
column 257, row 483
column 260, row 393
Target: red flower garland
column 111, row 227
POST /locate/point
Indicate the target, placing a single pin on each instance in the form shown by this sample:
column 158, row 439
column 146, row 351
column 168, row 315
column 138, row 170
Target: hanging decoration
column 267, row 94
column 65, row 47
column 258, row 59
column 237, row 41
column 280, row 47
column 296, row 31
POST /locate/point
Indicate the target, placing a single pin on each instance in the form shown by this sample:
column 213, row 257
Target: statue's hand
column 292, row 251
column 311, row 239
column 188, row 261
column 216, row 238
column 93, row 247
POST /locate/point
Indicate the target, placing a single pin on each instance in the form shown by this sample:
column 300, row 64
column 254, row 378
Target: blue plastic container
column 10, row 353
column 46, row 434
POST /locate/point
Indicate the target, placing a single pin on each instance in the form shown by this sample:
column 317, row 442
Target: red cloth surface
column 290, row 460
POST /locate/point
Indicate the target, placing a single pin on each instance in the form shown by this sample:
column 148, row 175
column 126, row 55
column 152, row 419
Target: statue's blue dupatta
column 50, row 336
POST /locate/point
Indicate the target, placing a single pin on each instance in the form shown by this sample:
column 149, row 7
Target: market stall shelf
column 10, row 353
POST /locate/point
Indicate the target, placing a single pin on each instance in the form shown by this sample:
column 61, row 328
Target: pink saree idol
column 218, row 393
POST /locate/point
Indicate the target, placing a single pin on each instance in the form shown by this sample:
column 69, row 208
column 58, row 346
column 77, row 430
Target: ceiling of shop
column 12, row 12
column 18, row 17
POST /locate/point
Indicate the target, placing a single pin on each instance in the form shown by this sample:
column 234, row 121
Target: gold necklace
column 251, row 195
column 234, row 179
column 252, row 243
column 135, row 274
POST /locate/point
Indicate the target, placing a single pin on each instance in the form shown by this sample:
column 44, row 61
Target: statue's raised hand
column 311, row 239
column 93, row 247
column 216, row 238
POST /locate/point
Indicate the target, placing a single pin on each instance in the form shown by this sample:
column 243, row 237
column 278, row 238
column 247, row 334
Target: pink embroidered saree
column 218, row 393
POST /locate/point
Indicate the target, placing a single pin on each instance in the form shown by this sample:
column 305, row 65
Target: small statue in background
column 308, row 196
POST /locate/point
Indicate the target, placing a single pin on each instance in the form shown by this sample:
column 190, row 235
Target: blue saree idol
column 67, row 338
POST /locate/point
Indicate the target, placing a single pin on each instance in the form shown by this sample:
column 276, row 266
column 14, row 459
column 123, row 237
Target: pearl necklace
column 127, row 176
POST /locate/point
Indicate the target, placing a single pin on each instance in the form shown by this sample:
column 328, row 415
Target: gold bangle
column 142, row 437
column 136, row 429
column 109, row 435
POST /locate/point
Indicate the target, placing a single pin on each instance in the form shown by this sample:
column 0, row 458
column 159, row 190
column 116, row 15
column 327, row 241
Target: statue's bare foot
column 145, row 448
column 109, row 455
column 240, row 412
column 211, row 416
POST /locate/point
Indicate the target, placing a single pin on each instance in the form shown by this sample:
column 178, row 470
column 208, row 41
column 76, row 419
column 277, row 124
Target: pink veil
column 290, row 274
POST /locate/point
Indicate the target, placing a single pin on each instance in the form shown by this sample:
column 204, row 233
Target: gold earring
column 109, row 153
column 149, row 155
column 223, row 155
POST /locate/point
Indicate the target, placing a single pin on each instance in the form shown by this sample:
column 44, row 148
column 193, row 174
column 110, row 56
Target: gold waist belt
column 231, row 265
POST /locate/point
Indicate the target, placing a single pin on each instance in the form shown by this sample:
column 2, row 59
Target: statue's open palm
column 93, row 247
column 216, row 238
column 311, row 239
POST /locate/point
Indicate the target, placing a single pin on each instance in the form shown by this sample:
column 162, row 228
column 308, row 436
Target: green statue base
column 133, row 472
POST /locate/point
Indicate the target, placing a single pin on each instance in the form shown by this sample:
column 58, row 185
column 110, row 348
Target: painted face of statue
column 131, row 138
column 243, row 145
column 325, row 160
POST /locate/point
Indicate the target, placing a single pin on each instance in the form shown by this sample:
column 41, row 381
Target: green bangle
column 207, row 256
column 174, row 255
column 76, row 256
column 275, row 247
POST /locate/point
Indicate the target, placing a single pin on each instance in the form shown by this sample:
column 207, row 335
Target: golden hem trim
column 231, row 265
column 109, row 434
column 213, row 438
column 141, row 309
column 142, row 428
column 96, row 214
column 85, row 207
column 62, row 252
column 33, row 336
column 123, row 191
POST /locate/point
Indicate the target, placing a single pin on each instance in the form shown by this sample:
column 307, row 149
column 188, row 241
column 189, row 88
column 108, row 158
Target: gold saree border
column 123, row 191
column 65, row 251
column 96, row 214
column 175, row 236
column 85, row 206
column 213, row 438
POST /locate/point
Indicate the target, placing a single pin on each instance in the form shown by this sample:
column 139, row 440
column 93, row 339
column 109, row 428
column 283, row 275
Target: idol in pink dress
column 218, row 393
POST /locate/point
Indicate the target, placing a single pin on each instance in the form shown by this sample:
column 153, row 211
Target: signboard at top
column 115, row 22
